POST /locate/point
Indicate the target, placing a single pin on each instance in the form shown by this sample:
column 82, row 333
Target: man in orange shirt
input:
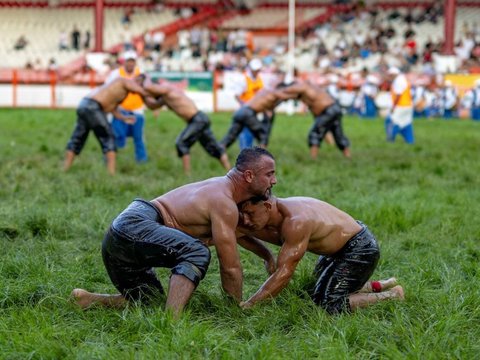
column 129, row 118
column 246, row 89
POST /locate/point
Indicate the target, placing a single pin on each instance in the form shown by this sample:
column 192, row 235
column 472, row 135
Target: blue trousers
column 475, row 113
column 449, row 114
column 370, row 109
column 245, row 139
column 393, row 130
column 123, row 130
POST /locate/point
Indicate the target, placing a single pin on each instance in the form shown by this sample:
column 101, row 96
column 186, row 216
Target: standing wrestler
column 198, row 128
column 348, row 251
column 91, row 116
column 327, row 115
column 172, row 231
column 264, row 101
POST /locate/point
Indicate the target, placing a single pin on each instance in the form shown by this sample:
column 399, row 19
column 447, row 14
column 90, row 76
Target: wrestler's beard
column 267, row 194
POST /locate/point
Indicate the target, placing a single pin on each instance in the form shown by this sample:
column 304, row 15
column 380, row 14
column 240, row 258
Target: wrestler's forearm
column 232, row 282
column 271, row 287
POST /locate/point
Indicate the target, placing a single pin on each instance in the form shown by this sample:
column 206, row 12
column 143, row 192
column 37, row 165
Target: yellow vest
column 405, row 97
column 132, row 101
column 253, row 86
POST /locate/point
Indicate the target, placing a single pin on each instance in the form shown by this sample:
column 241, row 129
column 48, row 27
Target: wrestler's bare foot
column 388, row 284
column 398, row 292
column 379, row 286
column 82, row 298
column 86, row 299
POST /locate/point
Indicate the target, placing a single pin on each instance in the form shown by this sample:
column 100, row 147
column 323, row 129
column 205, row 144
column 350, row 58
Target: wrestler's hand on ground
column 245, row 305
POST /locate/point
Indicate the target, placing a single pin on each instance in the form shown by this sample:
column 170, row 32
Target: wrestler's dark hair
column 256, row 199
column 249, row 157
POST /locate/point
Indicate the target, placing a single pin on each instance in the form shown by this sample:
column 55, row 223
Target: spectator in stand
column 400, row 117
column 222, row 41
column 410, row 47
column 183, row 39
column 127, row 17
column 247, row 86
column 63, row 41
column 75, row 38
column 126, row 38
column 448, row 100
column 87, row 39
column 21, row 43
column 158, row 38
column 128, row 117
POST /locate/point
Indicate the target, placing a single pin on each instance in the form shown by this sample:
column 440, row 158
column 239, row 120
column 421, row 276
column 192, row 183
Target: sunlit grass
column 421, row 201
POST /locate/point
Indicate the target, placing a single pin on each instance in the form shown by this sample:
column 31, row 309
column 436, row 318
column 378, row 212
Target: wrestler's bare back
column 189, row 207
column 326, row 227
column 316, row 99
column 112, row 94
column 175, row 99
column 264, row 100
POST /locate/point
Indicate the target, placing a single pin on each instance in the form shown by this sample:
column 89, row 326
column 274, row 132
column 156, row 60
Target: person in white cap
column 250, row 83
column 400, row 118
column 448, row 100
column 471, row 100
column 369, row 91
column 129, row 117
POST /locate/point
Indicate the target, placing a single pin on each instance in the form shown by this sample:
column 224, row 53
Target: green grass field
column 421, row 201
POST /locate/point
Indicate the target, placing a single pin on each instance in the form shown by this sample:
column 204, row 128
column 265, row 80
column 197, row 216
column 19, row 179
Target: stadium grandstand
column 60, row 41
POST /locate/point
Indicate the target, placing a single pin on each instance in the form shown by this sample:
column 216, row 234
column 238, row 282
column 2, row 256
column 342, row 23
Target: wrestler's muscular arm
column 153, row 103
column 224, row 219
column 296, row 236
column 126, row 119
column 132, row 86
column 256, row 246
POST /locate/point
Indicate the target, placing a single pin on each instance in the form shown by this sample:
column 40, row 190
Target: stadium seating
column 265, row 18
column 42, row 27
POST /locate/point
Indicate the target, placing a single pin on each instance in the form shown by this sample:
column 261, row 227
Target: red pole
column 99, row 25
column 449, row 14
column 14, row 87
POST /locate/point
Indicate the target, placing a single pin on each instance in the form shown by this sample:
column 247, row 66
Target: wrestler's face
column 263, row 177
column 254, row 216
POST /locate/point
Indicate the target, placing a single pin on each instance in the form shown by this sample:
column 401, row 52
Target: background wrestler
column 327, row 114
column 348, row 251
column 173, row 230
column 91, row 115
column 264, row 101
column 198, row 128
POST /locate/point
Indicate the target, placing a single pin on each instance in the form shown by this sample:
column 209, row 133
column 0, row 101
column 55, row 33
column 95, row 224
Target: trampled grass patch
column 421, row 201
